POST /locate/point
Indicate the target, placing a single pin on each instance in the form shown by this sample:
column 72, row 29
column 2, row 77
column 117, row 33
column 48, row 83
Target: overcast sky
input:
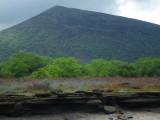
column 15, row 11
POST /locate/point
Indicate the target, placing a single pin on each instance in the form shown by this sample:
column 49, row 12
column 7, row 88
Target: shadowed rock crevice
column 86, row 101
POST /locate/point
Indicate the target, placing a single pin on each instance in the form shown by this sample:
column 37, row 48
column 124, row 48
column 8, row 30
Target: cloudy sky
column 15, row 11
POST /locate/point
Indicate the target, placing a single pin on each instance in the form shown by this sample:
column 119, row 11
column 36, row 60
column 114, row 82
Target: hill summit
column 86, row 35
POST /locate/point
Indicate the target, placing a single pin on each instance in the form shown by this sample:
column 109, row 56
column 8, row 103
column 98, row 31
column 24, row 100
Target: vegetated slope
column 85, row 35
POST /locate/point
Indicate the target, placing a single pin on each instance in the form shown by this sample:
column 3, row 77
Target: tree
column 61, row 67
column 148, row 67
column 70, row 67
column 49, row 71
column 124, row 69
column 88, row 70
column 103, row 68
column 22, row 64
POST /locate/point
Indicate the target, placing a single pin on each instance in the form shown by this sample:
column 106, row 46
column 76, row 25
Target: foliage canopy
column 30, row 65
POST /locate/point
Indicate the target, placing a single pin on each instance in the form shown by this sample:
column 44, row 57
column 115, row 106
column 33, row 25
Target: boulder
column 94, row 102
column 110, row 109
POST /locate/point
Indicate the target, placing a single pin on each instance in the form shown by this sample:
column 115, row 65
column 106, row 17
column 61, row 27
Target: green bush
column 61, row 67
column 30, row 65
column 22, row 64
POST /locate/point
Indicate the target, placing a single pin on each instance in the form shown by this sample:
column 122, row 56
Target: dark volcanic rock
column 94, row 102
column 110, row 90
column 44, row 103
column 80, row 92
column 43, row 95
column 61, row 94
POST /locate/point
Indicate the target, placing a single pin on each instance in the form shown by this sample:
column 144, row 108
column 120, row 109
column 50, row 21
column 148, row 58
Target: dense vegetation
column 29, row 65
column 22, row 64
column 85, row 35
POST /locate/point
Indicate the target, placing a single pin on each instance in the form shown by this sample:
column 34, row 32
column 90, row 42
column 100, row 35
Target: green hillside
column 86, row 35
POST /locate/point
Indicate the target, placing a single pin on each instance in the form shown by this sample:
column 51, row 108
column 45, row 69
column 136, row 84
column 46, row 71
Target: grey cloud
column 109, row 6
column 16, row 11
column 13, row 10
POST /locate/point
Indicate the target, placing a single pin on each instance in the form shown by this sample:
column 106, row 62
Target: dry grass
column 30, row 86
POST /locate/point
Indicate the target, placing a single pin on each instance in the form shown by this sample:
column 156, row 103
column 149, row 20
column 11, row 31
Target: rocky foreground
column 136, row 114
column 133, row 115
column 81, row 105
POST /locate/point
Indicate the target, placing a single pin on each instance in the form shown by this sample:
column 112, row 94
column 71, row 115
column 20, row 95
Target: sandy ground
column 140, row 114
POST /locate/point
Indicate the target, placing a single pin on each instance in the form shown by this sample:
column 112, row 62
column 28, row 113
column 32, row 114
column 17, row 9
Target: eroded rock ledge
column 92, row 101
